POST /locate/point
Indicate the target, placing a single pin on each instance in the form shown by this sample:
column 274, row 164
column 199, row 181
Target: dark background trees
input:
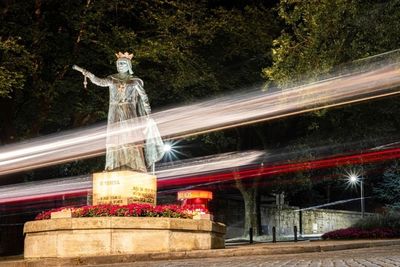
column 183, row 50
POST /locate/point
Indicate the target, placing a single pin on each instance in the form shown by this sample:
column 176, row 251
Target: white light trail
column 330, row 204
column 226, row 162
column 224, row 112
column 54, row 187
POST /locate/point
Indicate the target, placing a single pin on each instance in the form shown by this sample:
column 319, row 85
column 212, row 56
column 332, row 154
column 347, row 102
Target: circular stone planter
column 77, row 237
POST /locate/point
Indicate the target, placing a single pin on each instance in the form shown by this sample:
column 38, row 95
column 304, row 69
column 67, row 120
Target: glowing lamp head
column 167, row 147
column 353, row 178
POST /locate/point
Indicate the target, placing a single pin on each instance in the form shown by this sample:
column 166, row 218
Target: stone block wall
column 321, row 221
column 317, row 221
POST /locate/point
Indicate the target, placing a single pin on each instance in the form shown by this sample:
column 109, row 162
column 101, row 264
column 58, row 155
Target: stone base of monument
column 99, row 236
column 124, row 187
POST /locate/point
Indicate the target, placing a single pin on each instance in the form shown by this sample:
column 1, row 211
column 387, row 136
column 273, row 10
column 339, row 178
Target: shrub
column 387, row 220
column 378, row 226
column 358, row 233
column 131, row 210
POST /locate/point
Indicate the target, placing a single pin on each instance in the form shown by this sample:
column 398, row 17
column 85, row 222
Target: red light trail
column 258, row 171
column 228, row 175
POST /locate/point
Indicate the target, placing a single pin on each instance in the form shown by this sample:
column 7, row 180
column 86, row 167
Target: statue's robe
column 129, row 122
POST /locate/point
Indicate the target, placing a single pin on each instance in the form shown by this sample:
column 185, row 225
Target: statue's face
column 122, row 65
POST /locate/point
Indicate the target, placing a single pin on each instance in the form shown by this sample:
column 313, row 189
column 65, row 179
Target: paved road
column 378, row 256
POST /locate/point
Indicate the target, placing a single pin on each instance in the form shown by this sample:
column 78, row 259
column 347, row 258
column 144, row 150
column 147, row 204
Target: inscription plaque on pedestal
column 124, row 187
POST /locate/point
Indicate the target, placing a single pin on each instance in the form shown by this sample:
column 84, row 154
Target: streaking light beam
column 212, row 115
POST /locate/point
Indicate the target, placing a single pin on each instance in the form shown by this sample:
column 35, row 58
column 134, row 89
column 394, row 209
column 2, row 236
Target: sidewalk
column 240, row 250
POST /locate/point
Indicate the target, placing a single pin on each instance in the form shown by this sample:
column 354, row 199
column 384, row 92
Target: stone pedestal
column 80, row 237
column 124, row 187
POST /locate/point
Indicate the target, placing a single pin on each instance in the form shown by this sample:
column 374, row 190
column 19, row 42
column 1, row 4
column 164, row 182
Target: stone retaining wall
column 317, row 221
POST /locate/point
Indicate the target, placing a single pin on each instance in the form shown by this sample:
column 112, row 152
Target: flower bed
column 131, row 210
column 358, row 233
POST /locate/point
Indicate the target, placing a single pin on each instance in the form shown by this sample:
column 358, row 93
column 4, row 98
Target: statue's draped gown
column 128, row 100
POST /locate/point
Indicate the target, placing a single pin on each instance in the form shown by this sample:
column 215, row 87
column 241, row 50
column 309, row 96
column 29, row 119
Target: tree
column 251, row 199
column 326, row 35
column 389, row 189
column 319, row 36
column 15, row 65
column 182, row 50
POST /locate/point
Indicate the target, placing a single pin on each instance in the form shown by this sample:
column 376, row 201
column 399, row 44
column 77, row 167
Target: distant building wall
column 318, row 221
column 322, row 221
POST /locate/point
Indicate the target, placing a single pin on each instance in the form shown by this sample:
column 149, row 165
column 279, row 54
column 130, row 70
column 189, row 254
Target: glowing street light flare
column 167, row 147
column 171, row 149
column 353, row 177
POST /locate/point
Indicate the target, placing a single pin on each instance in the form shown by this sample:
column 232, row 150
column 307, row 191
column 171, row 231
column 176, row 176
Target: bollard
column 251, row 235
column 273, row 234
column 300, row 223
column 295, row 233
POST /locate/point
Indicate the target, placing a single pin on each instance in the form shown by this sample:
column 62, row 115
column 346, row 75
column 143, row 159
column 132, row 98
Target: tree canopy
column 182, row 50
column 388, row 190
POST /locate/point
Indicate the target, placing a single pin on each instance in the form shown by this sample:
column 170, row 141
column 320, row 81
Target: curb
column 256, row 250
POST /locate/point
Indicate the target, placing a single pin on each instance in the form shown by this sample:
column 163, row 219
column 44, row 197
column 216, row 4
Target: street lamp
column 171, row 150
column 354, row 179
column 167, row 147
column 168, row 150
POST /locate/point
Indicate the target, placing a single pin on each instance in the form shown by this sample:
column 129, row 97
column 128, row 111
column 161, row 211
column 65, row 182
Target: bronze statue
column 128, row 100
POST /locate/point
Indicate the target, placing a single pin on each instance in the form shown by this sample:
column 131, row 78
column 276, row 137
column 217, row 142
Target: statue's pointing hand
column 84, row 72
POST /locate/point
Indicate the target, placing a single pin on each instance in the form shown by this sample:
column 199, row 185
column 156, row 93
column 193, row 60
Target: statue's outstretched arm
column 96, row 80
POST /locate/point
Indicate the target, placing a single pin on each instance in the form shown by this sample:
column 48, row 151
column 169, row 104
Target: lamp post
column 355, row 179
column 362, row 197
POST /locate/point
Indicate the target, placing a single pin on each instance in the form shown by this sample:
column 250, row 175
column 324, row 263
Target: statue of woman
column 128, row 100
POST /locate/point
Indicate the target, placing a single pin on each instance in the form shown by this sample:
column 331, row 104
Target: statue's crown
column 124, row 55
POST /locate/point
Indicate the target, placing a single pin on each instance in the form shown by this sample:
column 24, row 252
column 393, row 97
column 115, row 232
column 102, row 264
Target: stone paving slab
column 387, row 256
column 259, row 249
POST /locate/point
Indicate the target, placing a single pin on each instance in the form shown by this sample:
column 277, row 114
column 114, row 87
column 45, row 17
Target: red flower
column 130, row 210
